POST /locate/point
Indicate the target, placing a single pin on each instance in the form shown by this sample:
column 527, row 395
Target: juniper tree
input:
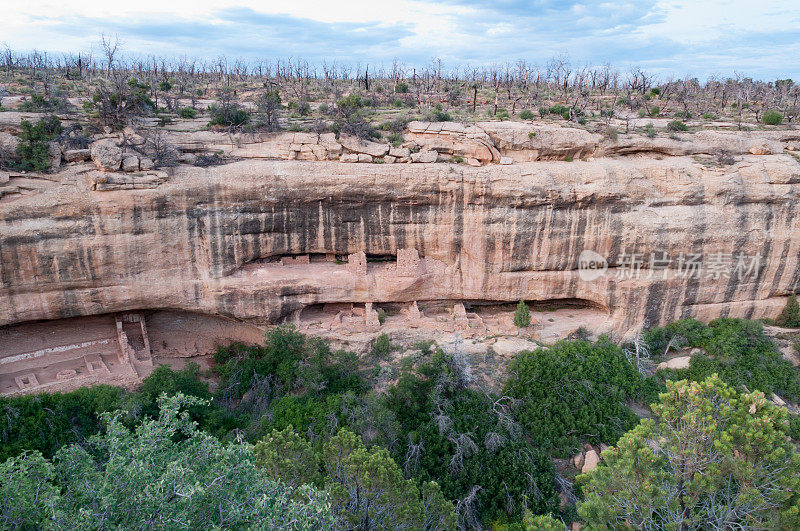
column 790, row 317
column 522, row 316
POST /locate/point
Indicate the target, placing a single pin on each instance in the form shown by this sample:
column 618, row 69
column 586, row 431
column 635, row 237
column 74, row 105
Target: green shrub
column 677, row 125
column 48, row 421
column 401, row 88
column 794, row 428
column 382, row 346
column 580, row 394
column 709, row 116
column 772, row 118
column 350, row 104
column 650, row 130
column 558, row 109
column 33, row 148
column 229, row 115
column 738, row 350
column 522, row 315
column 790, row 317
column 187, row 112
column 655, row 110
column 395, row 139
column 526, row 114
column 437, row 115
column 38, row 103
column 612, row 133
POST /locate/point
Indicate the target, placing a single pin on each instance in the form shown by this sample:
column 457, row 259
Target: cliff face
column 208, row 239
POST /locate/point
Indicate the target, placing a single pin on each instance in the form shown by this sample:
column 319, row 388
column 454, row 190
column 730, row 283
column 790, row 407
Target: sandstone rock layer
column 210, row 240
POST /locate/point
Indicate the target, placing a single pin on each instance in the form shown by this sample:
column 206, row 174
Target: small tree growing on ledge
column 522, row 316
column 790, row 317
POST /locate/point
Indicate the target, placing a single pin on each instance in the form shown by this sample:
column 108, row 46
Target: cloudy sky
column 671, row 37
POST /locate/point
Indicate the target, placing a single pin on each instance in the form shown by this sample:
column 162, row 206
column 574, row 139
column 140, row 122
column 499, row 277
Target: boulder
column 350, row 157
column 4, row 177
column 363, row 157
column 577, row 460
column 357, row 145
column 54, row 155
column 132, row 138
column 400, row 152
column 186, row 158
column 425, row 157
column 146, row 163
column 77, row 155
column 681, row 362
column 760, row 149
column 506, row 161
column 106, row 154
column 590, row 461
column 8, row 145
column 331, row 145
column 130, row 163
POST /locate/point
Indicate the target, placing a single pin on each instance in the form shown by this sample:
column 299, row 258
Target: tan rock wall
column 494, row 233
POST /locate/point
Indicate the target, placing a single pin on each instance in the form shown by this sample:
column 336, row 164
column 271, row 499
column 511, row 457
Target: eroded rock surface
column 211, row 240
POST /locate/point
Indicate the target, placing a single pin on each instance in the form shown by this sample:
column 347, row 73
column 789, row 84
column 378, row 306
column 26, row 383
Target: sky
column 758, row 38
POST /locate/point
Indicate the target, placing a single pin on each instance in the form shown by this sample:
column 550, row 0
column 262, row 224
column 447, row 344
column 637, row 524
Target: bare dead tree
column 110, row 48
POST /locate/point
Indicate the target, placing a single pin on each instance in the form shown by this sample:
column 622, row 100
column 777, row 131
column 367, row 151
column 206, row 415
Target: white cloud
column 698, row 36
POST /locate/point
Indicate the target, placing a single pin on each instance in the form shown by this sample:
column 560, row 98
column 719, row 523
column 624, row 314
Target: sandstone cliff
column 210, row 240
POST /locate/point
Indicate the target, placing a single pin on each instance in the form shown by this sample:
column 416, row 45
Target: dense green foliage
column 47, row 422
column 40, row 103
column 736, row 349
column 772, row 118
column 470, row 443
column 711, row 458
column 228, row 115
column 677, row 125
column 575, row 392
column 790, row 316
column 287, row 361
column 164, row 474
column 187, row 112
column 33, row 149
column 429, row 451
column 367, row 487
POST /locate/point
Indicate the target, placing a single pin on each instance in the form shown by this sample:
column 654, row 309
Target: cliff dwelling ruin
column 106, row 273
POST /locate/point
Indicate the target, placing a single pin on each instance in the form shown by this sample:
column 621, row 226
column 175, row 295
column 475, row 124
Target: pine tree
column 790, row 317
column 522, row 317
column 743, row 472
